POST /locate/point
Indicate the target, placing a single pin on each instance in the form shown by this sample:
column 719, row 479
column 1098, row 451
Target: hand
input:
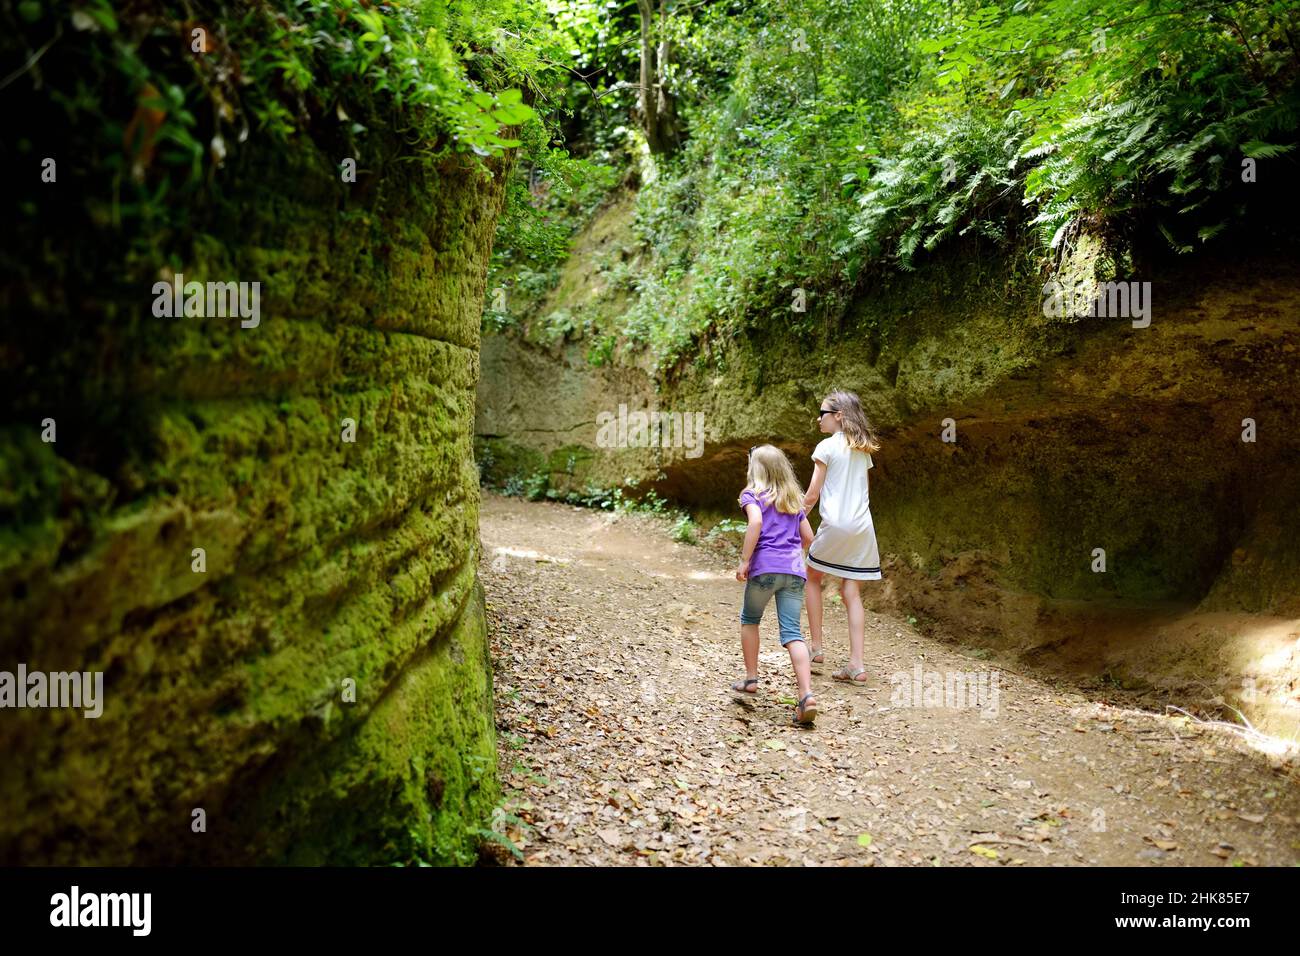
column 742, row 572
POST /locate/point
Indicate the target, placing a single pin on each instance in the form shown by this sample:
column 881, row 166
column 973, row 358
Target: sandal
column 818, row 656
column 805, row 714
column 743, row 686
column 850, row 676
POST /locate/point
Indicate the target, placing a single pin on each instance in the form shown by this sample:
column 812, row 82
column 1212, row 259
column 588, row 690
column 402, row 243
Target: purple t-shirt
column 779, row 549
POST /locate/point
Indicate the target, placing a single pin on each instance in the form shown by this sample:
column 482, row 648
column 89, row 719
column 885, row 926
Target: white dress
column 845, row 543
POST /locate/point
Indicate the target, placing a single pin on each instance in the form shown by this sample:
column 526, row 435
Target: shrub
column 684, row 530
column 535, row 488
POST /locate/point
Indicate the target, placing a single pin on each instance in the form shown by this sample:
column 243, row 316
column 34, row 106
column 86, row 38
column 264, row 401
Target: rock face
column 321, row 687
column 540, row 411
column 1070, row 435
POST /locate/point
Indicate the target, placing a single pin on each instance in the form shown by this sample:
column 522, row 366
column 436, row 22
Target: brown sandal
column 743, row 686
column 805, row 713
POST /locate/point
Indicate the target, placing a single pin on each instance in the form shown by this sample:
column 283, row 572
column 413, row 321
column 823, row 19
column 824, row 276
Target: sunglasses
column 824, row 411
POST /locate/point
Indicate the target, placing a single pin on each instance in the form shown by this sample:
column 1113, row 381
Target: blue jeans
column 788, row 589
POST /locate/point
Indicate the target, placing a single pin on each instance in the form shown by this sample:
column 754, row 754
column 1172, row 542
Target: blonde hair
column 771, row 479
column 857, row 430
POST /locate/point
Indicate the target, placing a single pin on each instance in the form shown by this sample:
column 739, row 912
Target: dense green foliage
column 1127, row 106
column 156, row 97
column 824, row 141
column 829, row 140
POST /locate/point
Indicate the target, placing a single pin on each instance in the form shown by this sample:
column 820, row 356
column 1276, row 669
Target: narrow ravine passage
column 619, row 743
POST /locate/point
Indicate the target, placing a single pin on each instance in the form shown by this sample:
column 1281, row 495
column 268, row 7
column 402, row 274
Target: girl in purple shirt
column 772, row 565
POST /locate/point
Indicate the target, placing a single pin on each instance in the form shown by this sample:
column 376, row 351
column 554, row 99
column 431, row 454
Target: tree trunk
column 658, row 109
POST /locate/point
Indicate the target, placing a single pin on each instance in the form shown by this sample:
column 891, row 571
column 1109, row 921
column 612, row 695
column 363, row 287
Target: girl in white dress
column 845, row 543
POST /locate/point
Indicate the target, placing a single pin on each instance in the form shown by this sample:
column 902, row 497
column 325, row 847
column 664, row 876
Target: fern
column 1257, row 149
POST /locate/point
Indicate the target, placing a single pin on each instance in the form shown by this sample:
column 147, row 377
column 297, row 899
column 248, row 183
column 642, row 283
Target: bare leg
column 749, row 647
column 802, row 670
column 857, row 620
column 812, row 598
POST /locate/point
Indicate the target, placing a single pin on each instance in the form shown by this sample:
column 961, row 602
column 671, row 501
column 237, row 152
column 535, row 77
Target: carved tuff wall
column 328, row 564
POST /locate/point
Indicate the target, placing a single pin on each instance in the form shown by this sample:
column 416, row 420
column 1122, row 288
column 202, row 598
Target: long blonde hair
column 857, row 430
column 771, row 478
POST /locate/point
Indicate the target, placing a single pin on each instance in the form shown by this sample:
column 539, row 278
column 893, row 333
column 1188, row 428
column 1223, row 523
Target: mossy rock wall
column 537, row 413
column 1069, row 436
column 326, row 561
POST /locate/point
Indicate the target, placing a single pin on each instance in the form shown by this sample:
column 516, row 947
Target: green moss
column 409, row 784
column 570, row 464
column 501, row 459
column 326, row 560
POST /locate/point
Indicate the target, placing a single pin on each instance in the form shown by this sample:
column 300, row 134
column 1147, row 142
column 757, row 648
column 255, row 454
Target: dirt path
column 621, row 744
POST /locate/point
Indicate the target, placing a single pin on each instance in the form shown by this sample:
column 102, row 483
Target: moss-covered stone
column 501, row 459
column 328, row 563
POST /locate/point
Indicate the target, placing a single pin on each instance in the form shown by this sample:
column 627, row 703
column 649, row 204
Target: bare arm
column 805, row 534
column 815, row 486
column 755, row 516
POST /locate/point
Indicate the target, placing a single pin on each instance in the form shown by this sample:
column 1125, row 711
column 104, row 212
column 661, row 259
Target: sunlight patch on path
column 530, row 555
